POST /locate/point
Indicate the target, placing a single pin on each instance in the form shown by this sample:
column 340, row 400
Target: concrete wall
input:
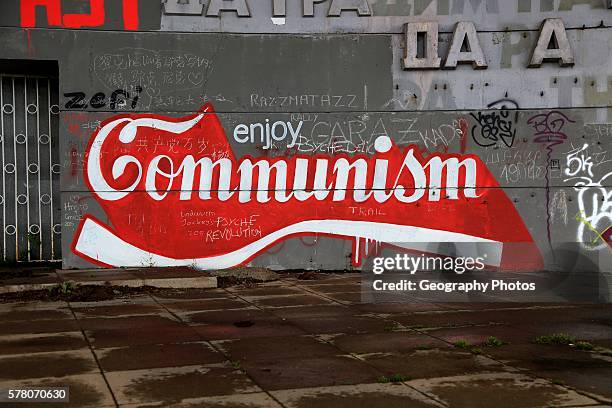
column 537, row 140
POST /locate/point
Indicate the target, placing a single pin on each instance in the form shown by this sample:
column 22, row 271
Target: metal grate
column 29, row 127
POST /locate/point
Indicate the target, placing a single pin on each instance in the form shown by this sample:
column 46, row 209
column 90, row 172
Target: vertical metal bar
column 15, row 167
column 3, row 171
column 27, row 164
column 51, row 169
column 40, row 237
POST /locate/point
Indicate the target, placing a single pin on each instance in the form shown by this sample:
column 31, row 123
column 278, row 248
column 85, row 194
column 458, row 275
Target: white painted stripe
column 96, row 242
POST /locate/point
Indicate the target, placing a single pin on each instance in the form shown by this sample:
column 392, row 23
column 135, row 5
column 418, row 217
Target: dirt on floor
column 69, row 292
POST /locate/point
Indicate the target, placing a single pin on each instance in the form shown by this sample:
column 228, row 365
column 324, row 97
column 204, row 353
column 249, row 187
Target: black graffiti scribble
column 78, row 100
column 496, row 126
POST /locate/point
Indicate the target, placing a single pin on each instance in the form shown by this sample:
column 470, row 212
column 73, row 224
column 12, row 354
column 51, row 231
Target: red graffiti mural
column 174, row 194
column 95, row 18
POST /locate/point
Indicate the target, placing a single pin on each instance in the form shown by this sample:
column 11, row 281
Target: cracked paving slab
column 85, row 391
column 500, row 390
column 365, row 395
column 172, row 385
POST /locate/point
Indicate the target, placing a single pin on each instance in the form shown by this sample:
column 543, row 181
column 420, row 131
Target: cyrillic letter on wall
column 552, row 45
column 465, row 33
column 279, row 8
column 308, row 7
column 360, row 6
column 425, row 34
column 187, row 7
column 217, row 6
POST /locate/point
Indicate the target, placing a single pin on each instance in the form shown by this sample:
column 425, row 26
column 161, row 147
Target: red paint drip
column 30, row 48
column 73, row 162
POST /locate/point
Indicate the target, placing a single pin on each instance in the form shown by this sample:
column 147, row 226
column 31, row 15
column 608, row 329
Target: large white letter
column 465, row 32
column 552, row 33
column 425, row 35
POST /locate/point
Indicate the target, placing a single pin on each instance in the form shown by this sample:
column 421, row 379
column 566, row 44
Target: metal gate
column 30, row 201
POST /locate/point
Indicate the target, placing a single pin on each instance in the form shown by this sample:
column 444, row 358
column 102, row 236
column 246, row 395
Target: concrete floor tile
column 206, row 304
column 121, row 300
column 595, row 381
column 224, row 316
column 288, row 373
column 85, row 391
column 246, row 329
column 342, row 324
column 364, row 395
column 445, row 318
column 159, row 320
column 581, row 330
column 140, row 336
column 40, row 343
column 275, row 348
column 548, row 357
column 165, row 273
column 39, row 326
column 336, row 288
column 267, row 291
column 95, row 275
column 398, row 308
column 499, row 390
column 158, row 356
column 304, row 312
column 255, row 400
column 18, row 314
column 41, row 365
column 34, row 305
column 346, row 298
column 388, row 342
column 170, row 386
column 188, row 294
column 431, row 363
column 290, row 300
column 478, row 335
column 134, row 309
column 331, row 279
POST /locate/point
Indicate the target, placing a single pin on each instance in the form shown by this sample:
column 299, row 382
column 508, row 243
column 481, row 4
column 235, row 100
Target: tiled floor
column 294, row 343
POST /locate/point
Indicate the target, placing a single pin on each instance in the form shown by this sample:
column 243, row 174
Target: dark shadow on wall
column 21, row 67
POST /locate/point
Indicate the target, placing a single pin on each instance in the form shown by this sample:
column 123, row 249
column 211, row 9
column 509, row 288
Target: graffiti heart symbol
column 196, row 78
column 175, row 194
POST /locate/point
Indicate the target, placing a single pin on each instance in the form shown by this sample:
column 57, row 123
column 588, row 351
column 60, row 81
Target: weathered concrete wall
column 537, row 140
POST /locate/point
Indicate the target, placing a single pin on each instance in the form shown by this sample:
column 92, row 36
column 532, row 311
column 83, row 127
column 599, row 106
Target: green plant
column 236, row 365
column 558, row 382
column 64, row 288
column 396, row 378
column 391, row 328
column 493, row 341
column 584, row 346
column 607, row 353
column 462, row 344
column 476, row 350
column 557, row 338
column 34, row 239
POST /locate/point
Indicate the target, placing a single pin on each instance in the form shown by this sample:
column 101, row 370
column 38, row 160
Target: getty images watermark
column 408, row 266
